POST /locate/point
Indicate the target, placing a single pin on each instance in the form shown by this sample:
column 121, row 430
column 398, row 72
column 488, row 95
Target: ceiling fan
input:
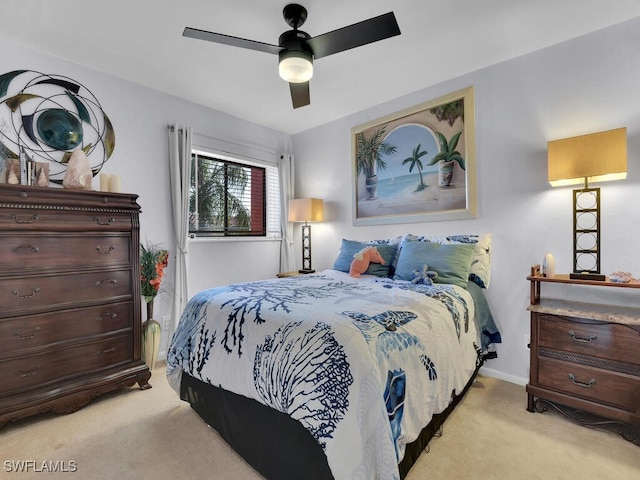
column 297, row 49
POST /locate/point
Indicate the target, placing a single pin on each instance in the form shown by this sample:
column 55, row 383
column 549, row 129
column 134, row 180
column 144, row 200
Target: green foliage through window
column 226, row 198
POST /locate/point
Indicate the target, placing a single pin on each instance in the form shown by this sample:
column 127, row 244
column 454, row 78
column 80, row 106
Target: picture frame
column 36, row 173
column 417, row 165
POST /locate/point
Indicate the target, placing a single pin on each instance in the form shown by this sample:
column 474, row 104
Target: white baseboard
column 488, row 372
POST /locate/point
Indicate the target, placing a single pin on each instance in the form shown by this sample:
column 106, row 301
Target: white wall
column 140, row 116
column 585, row 85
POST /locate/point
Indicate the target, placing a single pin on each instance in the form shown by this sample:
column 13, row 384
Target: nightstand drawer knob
column 582, row 340
column 581, row 384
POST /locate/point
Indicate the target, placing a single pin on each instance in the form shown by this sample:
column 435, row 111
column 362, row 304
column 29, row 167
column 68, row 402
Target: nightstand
column 585, row 357
column 294, row 274
column 288, row 274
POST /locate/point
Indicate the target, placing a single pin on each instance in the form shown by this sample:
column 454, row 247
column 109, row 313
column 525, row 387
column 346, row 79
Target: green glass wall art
column 49, row 116
column 59, row 129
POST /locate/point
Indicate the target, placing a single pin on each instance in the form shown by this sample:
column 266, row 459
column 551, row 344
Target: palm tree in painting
column 415, row 161
column 369, row 152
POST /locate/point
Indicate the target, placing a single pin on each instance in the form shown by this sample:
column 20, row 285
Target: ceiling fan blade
column 356, row 35
column 229, row 40
column 300, row 94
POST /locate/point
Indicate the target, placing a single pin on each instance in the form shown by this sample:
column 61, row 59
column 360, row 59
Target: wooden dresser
column 585, row 356
column 70, row 326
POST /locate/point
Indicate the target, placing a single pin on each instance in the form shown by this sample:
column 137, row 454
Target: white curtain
column 285, row 167
column 180, row 173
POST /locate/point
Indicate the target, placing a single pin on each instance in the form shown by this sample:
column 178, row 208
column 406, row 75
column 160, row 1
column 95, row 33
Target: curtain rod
column 242, row 145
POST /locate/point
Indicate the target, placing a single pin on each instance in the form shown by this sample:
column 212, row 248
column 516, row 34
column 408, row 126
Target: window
column 230, row 197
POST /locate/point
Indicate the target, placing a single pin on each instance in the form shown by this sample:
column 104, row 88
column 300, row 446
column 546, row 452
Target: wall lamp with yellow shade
column 306, row 210
column 596, row 157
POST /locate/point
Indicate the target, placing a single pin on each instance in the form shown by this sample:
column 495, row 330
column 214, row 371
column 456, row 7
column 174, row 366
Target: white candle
column 115, row 184
column 104, row 182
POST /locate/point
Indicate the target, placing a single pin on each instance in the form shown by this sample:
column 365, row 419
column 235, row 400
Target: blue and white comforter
column 362, row 363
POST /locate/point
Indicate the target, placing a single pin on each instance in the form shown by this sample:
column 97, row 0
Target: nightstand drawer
column 20, row 333
column 604, row 340
column 62, row 363
column 603, row 386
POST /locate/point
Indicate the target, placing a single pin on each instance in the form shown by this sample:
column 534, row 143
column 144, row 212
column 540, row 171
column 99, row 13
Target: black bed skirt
column 264, row 437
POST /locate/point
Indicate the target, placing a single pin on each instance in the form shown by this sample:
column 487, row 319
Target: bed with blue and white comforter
column 362, row 363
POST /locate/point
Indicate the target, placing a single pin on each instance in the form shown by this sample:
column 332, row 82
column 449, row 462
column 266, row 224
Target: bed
column 330, row 376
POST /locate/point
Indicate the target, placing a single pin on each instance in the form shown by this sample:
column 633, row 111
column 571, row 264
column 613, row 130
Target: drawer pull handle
column 581, row 384
column 106, row 252
column 29, row 295
column 28, row 373
column 17, row 219
column 104, row 222
column 108, row 280
column 27, row 336
column 575, row 338
column 107, row 350
column 102, row 316
column 25, row 247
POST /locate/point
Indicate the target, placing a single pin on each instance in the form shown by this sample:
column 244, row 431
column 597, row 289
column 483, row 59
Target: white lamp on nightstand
column 306, row 210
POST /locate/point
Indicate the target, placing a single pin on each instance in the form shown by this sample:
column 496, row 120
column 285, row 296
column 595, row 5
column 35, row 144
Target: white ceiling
column 141, row 41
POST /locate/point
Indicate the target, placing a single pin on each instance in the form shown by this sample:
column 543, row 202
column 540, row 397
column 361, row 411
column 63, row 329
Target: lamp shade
column 596, row 157
column 295, row 66
column 305, row 210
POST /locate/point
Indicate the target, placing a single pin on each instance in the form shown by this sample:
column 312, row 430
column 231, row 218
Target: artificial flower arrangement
column 153, row 261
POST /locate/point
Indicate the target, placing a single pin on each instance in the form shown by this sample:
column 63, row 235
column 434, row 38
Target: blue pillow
column 452, row 262
column 349, row 248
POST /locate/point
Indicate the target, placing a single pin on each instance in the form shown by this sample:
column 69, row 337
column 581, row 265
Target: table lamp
column 306, row 210
column 596, row 157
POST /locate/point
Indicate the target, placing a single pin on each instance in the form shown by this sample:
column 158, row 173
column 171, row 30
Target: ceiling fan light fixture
column 295, row 66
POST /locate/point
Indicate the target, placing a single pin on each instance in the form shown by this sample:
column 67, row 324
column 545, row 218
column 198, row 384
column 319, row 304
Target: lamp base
column 305, row 271
column 596, row 277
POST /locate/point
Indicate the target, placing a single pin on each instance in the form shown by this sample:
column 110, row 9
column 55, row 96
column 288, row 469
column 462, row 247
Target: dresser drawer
column 36, row 219
column 24, row 252
column 18, row 334
column 604, row 340
column 59, row 364
column 29, row 294
column 603, row 386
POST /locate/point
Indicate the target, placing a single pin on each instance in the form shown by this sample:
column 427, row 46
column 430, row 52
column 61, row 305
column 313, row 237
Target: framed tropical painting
column 417, row 165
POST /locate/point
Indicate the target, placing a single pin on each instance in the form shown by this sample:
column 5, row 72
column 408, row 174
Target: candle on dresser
column 104, row 182
column 549, row 266
column 115, row 184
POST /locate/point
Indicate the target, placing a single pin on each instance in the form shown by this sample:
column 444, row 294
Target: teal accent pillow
column 480, row 270
column 349, row 248
column 452, row 262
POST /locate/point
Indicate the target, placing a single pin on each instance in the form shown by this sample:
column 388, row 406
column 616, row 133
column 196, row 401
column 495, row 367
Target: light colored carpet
column 153, row 435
